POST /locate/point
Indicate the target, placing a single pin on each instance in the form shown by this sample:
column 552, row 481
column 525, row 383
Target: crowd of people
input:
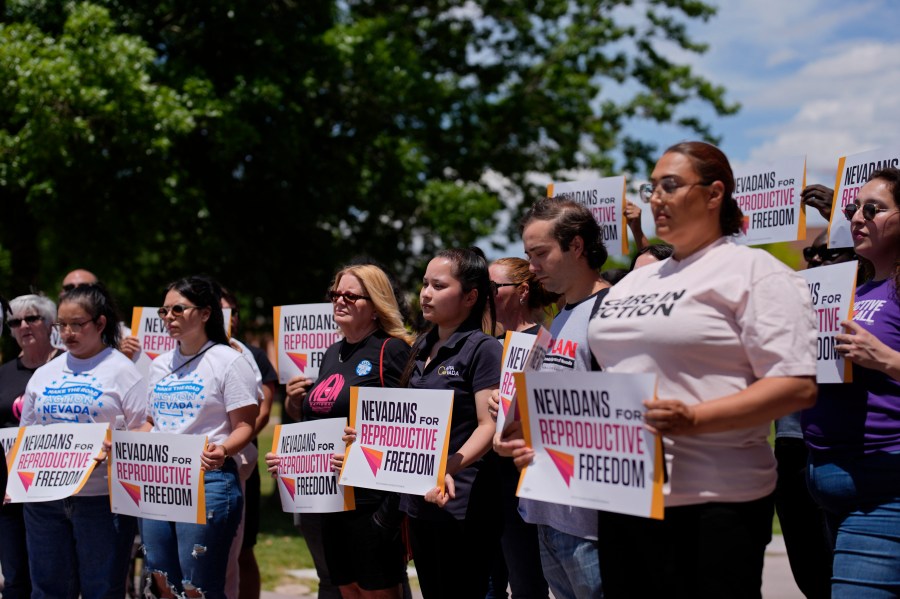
column 733, row 351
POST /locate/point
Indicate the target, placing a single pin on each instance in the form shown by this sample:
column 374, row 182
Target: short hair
column 520, row 274
column 97, row 301
column 570, row 219
column 712, row 165
column 660, row 251
column 43, row 305
column 377, row 285
column 204, row 292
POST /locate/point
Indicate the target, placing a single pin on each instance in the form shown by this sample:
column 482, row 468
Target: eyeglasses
column 176, row 310
column 75, row 327
column 824, row 253
column 869, row 210
column 15, row 323
column 497, row 286
column 350, row 298
column 666, row 186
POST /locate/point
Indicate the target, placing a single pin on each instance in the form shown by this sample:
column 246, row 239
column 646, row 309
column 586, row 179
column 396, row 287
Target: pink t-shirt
column 709, row 326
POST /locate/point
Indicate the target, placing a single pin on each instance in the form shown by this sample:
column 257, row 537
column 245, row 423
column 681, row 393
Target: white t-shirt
column 68, row 389
column 193, row 395
column 709, row 326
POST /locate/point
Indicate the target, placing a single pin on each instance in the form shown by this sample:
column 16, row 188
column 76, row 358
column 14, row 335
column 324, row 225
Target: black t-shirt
column 469, row 362
column 14, row 377
column 262, row 362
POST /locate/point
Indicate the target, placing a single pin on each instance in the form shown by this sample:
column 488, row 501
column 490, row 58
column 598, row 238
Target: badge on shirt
column 363, row 368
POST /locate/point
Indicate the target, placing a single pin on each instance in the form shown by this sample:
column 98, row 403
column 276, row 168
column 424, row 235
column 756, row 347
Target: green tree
column 312, row 132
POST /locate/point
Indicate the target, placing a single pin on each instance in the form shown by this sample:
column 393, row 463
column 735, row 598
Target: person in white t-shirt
column 77, row 545
column 217, row 397
column 729, row 331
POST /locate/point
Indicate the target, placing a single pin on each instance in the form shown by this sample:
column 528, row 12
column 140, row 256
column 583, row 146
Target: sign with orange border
column 521, row 351
column 402, row 436
column 832, row 290
column 591, row 447
column 605, row 198
column 769, row 197
column 302, row 334
column 853, row 171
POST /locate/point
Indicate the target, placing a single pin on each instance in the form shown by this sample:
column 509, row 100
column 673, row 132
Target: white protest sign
column 7, row 440
column 852, row 173
column 591, row 447
column 521, row 351
column 306, row 483
column 53, row 461
column 401, row 439
column 769, row 197
column 302, row 334
column 605, row 198
column 832, row 289
column 157, row 476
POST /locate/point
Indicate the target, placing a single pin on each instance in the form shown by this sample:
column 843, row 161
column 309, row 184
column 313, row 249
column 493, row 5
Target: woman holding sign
column 362, row 551
column 76, row 544
column 202, row 387
column 729, row 332
column 455, row 532
column 853, row 432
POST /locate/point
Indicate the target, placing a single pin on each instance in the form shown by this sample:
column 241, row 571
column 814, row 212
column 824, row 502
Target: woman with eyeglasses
column 519, row 297
column 191, row 559
column 31, row 323
column 77, row 545
column 729, row 332
column 360, row 551
column 853, row 432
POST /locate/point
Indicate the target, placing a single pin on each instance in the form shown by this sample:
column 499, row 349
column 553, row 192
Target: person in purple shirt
column 853, row 431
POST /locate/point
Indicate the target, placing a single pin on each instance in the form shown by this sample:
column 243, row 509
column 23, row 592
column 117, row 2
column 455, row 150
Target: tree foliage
column 266, row 142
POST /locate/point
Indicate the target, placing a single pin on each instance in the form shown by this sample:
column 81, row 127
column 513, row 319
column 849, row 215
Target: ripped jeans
column 193, row 557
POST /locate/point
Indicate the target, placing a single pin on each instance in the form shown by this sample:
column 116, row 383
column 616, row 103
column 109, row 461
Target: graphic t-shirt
column 467, row 363
column 569, row 351
column 862, row 416
column 709, row 326
column 97, row 389
column 193, row 395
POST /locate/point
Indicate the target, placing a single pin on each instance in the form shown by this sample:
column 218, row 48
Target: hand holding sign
column 862, row 347
column 669, row 417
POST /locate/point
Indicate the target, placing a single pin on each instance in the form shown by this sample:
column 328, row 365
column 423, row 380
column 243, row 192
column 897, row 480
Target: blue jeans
column 861, row 497
column 14, row 552
column 78, row 545
column 195, row 556
column 571, row 564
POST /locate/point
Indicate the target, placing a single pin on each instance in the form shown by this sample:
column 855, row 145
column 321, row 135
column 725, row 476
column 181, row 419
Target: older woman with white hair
column 30, row 321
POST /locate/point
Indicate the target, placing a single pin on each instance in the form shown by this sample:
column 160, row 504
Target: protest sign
column 521, row 351
column 302, row 334
column 157, row 476
column 852, row 173
column 769, row 197
column 401, row 439
column 306, row 483
column 832, row 290
column 8, row 438
column 591, row 447
column 53, row 461
column 605, row 198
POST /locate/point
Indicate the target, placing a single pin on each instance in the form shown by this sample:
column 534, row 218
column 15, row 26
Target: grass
column 279, row 546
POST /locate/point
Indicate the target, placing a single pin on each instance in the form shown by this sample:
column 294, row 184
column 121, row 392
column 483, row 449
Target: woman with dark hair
column 853, row 432
column 729, row 332
column 455, row 534
column 649, row 254
column 77, row 545
column 359, row 551
column 191, row 559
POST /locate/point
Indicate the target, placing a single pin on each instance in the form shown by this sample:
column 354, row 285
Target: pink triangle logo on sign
column 374, row 457
column 290, row 484
column 27, row 478
column 134, row 491
column 505, row 403
column 299, row 360
column 565, row 463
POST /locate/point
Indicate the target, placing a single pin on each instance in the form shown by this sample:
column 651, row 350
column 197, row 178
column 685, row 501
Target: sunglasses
column 869, row 211
column 825, row 253
column 497, row 286
column 350, row 298
column 15, row 323
column 71, row 286
column 176, row 310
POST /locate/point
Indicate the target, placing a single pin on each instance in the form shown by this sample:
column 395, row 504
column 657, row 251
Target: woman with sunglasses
column 190, row 559
column 519, row 297
column 360, row 551
column 31, row 324
column 853, row 432
column 77, row 545
column 729, row 332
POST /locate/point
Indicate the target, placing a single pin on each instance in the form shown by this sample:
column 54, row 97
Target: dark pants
column 14, row 553
column 710, row 550
column 521, row 550
column 802, row 521
column 453, row 557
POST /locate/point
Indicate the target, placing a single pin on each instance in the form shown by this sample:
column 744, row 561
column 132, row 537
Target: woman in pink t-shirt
column 728, row 330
